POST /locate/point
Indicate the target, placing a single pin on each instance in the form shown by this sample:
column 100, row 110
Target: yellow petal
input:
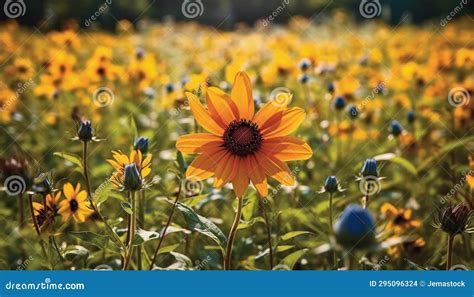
column 241, row 180
column 257, row 176
column 276, row 169
column 221, row 107
column 204, row 166
column 267, row 111
column 287, row 148
column 290, row 120
column 193, row 143
column 202, row 116
column 81, row 196
column 227, row 171
column 68, row 191
column 242, row 95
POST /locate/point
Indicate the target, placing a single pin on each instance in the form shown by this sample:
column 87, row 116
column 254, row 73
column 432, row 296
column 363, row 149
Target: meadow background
column 405, row 68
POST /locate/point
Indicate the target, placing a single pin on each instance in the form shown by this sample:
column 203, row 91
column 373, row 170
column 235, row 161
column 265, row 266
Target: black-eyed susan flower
column 75, row 205
column 47, row 211
column 399, row 219
column 242, row 145
column 121, row 162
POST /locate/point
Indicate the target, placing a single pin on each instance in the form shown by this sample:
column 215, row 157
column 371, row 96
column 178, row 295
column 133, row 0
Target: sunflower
column 400, row 219
column 75, row 205
column 45, row 212
column 121, row 161
column 241, row 145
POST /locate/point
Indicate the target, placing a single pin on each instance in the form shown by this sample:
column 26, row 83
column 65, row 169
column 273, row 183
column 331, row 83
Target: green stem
column 334, row 256
column 269, row 234
column 449, row 261
column 35, row 224
column 163, row 233
column 93, row 206
column 233, row 231
column 133, row 228
column 22, row 211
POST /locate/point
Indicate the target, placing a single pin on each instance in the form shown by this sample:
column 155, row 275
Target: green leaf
column 133, row 126
column 143, row 236
column 101, row 241
column 284, row 248
column 407, row 165
column 293, row 234
column 168, row 248
column 202, row 225
column 290, row 260
column 126, row 207
column 249, row 206
column 181, row 163
column 193, row 201
column 253, row 221
column 102, row 193
column 73, row 158
column 445, row 149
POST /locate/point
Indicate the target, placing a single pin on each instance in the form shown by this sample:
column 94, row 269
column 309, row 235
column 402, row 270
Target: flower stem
column 366, row 198
column 449, row 261
column 93, row 206
column 233, row 231
column 269, row 234
column 22, row 211
column 35, row 224
column 163, row 233
column 334, row 256
column 133, row 227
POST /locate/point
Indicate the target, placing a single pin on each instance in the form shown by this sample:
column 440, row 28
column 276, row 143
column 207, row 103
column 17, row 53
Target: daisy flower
column 75, row 205
column 241, row 145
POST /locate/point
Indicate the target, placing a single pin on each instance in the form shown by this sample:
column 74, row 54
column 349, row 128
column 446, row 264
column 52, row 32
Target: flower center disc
column 242, row 138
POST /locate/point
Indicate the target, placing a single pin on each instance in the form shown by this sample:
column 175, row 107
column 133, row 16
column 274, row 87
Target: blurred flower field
column 179, row 146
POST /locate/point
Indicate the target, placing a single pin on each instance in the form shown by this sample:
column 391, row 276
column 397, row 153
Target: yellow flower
column 399, row 219
column 242, row 145
column 143, row 164
column 75, row 205
column 45, row 216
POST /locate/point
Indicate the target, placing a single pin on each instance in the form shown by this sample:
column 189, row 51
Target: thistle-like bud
column 132, row 180
column 85, row 131
column 339, row 103
column 454, row 220
column 331, row 185
column 141, row 144
column 369, row 168
column 42, row 185
column 395, row 128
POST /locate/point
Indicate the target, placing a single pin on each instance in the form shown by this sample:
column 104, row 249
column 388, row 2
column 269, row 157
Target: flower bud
column 395, row 128
column 369, row 168
column 339, row 103
column 141, row 144
column 454, row 220
column 331, row 184
column 355, row 228
column 132, row 179
column 85, row 131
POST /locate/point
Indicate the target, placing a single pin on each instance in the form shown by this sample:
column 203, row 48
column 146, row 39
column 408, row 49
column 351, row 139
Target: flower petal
column 241, row 180
column 193, row 143
column 204, row 165
column 290, row 120
column 221, row 107
column 68, row 191
column 226, row 172
column 202, row 116
column 81, row 197
column 267, row 111
column 287, row 148
column 276, row 169
column 257, row 175
column 242, row 95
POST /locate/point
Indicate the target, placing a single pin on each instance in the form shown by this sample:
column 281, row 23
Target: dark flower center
column 242, row 138
column 400, row 219
column 73, row 205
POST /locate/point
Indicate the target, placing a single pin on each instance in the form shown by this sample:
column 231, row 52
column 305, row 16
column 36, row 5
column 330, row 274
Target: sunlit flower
column 75, row 205
column 399, row 219
column 45, row 215
column 121, row 161
column 242, row 145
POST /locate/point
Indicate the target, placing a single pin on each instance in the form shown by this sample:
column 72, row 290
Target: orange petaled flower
column 45, row 216
column 399, row 219
column 75, row 205
column 242, row 145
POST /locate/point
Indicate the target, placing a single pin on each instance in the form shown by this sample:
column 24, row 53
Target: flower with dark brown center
column 242, row 138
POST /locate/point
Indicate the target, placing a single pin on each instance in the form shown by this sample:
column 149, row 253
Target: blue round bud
column 411, row 116
column 339, row 102
column 331, row 88
column 141, row 143
column 353, row 112
column 331, row 185
column 369, row 168
column 395, row 128
column 305, row 64
column 169, row 88
column 304, row 78
column 355, row 228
